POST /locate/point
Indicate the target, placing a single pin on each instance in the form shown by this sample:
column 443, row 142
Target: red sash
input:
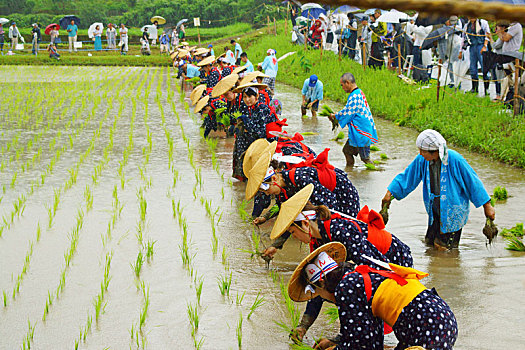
column 325, row 171
column 377, row 235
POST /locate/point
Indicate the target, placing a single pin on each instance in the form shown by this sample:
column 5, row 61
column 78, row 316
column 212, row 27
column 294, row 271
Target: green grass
column 463, row 119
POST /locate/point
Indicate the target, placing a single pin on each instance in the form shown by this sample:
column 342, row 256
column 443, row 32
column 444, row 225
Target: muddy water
column 484, row 286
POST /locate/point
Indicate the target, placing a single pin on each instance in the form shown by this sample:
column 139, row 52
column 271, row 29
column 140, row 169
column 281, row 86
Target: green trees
column 135, row 13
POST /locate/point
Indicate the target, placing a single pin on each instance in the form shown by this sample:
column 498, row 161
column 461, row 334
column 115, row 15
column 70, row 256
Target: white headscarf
column 431, row 140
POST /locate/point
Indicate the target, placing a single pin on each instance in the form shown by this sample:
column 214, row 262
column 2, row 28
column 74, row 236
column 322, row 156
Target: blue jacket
column 313, row 93
column 270, row 66
column 459, row 184
column 192, row 71
column 357, row 115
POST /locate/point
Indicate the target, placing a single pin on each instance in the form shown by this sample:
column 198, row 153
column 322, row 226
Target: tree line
column 135, row 13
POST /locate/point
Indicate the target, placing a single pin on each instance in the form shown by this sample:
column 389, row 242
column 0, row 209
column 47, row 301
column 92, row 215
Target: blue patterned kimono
column 357, row 115
column 459, row 185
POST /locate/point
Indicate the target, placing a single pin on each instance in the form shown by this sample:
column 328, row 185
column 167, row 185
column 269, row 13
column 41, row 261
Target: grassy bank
column 463, row 119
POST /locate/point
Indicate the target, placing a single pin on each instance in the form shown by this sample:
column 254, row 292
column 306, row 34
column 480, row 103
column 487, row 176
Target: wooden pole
column 398, row 59
column 307, row 29
column 199, row 34
column 516, row 86
column 363, row 53
column 286, row 18
column 275, row 26
column 268, row 23
column 321, row 48
column 438, row 80
column 341, row 42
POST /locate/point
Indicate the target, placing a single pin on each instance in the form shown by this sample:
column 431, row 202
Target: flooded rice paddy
column 120, row 226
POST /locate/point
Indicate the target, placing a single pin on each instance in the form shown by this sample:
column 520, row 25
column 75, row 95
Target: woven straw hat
column 254, row 152
column 248, row 78
column 239, row 69
column 256, row 173
column 196, row 94
column 256, row 85
column 182, row 53
column 201, row 51
column 290, row 209
column 225, row 84
column 201, row 104
column 297, row 283
column 184, row 43
column 206, row 61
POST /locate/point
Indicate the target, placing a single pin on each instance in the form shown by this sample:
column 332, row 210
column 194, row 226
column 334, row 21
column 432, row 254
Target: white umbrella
column 4, row 20
column 92, row 27
column 392, row 16
column 152, row 30
column 310, row 5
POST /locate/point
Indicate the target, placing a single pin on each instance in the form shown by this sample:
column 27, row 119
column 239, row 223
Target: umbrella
column 346, row 9
column 159, row 19
column 430, row 20
column 372, row 11
column 435, row 36
column 313, row 13
column 181, row 21
column 51, row 27
column 4, row 20
column 309, row 6
column 92, row 27
column 393, row 17
column 66, row 20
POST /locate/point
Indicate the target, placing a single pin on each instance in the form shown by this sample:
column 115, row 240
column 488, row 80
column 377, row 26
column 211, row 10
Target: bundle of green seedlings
column 514, row 237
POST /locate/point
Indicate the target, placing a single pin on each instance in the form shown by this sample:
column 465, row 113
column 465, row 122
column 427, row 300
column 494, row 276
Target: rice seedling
column 193, row 317
column 383, row 156
column 500, row 193
column 137, row 267
column 224, row 283
column 145, row 306
column 370, row 166
column 224, row 258
column 149, row 249
column 239, row 299
column 333, row 314
column 5, row 298
column 242, row 210
column 238, row 331
column 515, row 243
column 516, row 231
column 256, row 304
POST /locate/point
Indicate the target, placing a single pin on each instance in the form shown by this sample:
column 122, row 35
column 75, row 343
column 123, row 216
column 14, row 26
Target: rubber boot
column 486, row 84
column 474, row 87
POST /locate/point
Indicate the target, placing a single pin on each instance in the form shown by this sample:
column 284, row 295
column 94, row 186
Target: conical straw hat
column 206, row 61
column 196, row 94
column 290, row 209
column 256, row 174
column 239, row 69
column 255, row 151
column 248, row 78
column 201, row 104
column 201, row 51
column 256, row 85
column 224, row 85
column 297, row 283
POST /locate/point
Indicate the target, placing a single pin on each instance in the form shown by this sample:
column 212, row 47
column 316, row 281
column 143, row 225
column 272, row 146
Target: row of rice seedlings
column 28, row 339
column 137, row 333
column 36, row 124
column 238, row 331
column 73, row 173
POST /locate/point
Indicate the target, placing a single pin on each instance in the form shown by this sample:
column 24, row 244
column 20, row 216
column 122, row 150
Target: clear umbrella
column 393, row 17
column 182, row 21
column 4, row 20
column 92, row 27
